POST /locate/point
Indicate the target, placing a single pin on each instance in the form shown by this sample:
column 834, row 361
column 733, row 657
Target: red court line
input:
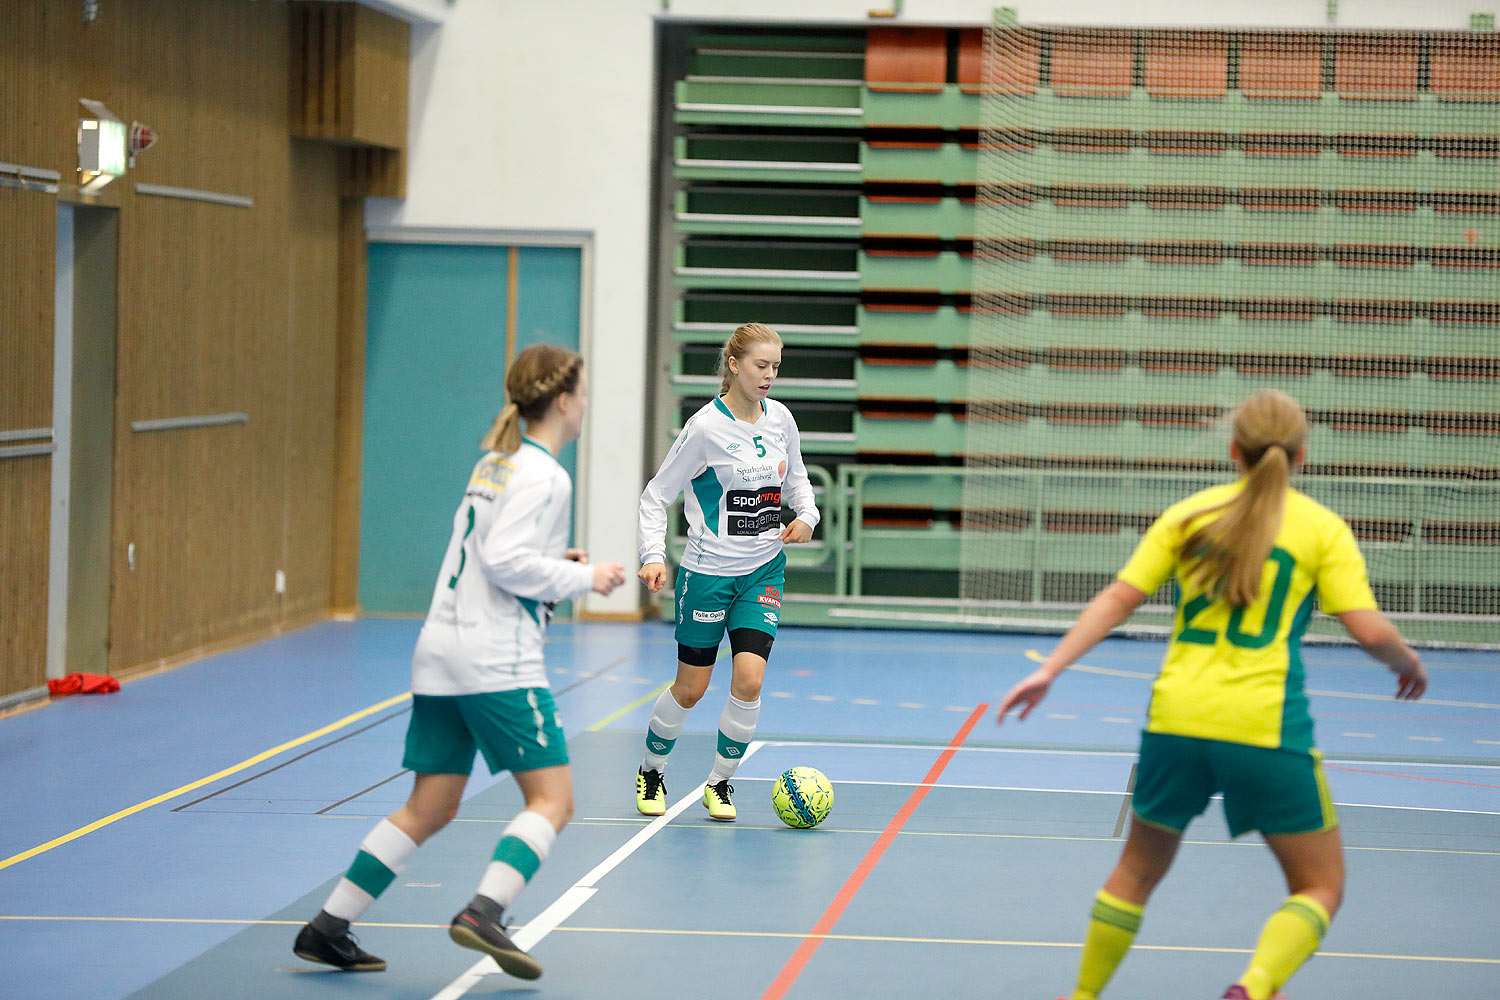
column 1413, row 777
column 804, row 952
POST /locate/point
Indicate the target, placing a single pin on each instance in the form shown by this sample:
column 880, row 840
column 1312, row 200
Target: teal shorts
column 707, row 606
column 515, row 730
column 1270, row 790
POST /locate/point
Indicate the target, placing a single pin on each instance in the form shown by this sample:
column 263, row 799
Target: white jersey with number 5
column 732, row 476
column 503, row 571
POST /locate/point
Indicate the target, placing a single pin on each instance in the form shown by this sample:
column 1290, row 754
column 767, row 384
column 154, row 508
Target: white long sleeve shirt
column 503, row 571
column 733, row 476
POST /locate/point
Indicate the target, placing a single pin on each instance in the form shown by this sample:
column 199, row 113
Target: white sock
column 381, row 857
column 736, row 727
column 667, row 718
column 523, row 847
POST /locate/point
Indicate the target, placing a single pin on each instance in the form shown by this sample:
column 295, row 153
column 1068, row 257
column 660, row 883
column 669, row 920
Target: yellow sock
column 1112, row 927
column 1288, row 939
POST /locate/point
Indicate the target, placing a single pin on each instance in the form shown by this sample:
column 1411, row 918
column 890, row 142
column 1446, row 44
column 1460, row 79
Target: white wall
column 536, row 115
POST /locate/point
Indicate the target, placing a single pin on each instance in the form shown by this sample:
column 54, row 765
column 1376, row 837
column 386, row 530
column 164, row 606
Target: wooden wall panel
column 313, row 283
column 349, row 74
column 220, row 309
column 25, row 494
column 350, row 397
column 28, row 227
column 38, row 48
column 205, row 317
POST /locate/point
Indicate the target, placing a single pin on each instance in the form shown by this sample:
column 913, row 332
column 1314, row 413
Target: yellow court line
column 165, row 796
column 697, row 932
column 648, row 696
column 651, row 695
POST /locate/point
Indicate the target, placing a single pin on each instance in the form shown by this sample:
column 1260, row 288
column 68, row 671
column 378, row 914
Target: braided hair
column 537, row 376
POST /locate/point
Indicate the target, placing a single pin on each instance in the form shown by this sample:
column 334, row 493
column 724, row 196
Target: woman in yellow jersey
column 1228, row 713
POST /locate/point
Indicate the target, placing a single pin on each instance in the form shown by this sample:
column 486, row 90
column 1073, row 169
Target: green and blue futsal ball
column 802, row 797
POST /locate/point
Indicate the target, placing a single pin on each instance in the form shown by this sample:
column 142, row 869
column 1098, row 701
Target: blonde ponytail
column 537, row 376
column 1226, row 555
column 738, row 345
column 505, row 433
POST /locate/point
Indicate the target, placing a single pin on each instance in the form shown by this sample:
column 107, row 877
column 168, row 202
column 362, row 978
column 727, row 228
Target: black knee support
column 751, row 640
column 697, row 656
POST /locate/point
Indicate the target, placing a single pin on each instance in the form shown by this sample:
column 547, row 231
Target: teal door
column 434, row 379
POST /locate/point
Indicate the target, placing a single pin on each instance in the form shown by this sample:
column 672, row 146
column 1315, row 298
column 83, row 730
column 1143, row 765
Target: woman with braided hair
column 1228, row 712
column 732, row 463
column 478, row 679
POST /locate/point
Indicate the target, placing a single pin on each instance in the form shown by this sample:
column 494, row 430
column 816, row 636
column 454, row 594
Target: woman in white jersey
column 732, row 462
column 478, row 680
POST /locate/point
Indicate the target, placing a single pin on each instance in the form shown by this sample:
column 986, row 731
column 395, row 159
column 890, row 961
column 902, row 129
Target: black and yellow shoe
column 650, row 793
column 716, row 798
column 481, row 926
column 342, row 952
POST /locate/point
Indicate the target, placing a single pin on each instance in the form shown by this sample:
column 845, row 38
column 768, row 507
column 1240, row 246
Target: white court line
column 1044, row 752
column 576, row 895
column 1091, row 791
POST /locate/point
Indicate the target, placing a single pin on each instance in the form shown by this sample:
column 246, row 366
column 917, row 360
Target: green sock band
column 1116, row 912
column 518, row 854
column 370, row 874
column 731, row 749
column 658, row 745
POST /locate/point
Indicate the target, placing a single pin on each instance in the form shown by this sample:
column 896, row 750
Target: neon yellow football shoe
column 650, row 793
column 716, row 798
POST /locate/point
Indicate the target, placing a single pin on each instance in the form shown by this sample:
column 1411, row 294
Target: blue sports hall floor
column 167, row 841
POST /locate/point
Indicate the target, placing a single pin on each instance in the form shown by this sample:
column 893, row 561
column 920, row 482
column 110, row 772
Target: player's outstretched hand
column 608, row 576
column 1411, row 684
column 577, row 555
column 796, row 532
column 654, row 576
column 1028, row 693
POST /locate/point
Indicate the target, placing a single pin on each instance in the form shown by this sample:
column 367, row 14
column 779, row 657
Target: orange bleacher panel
column 1193, row 67
column 907, row 59
column 1376, row 68
column 1466, row 68
column 1281, row 67
column 1017, row 66
column 1092, row 64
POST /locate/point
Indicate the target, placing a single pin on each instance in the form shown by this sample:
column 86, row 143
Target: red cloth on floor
column 83, row 684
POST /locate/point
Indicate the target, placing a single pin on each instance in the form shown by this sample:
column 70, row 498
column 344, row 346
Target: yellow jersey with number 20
column 1236, row 674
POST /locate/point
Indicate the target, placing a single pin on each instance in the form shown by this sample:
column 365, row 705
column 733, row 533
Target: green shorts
column 1270, row 790
column 515, row 730
column 707, row 606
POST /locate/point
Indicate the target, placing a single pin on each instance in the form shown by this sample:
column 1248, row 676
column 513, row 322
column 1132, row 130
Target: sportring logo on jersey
column 752, row 512
column 771, row 618
column 708, row 616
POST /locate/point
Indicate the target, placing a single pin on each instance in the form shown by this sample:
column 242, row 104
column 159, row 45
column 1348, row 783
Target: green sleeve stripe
column 370, row 874
column 518, row 854
column 530, row 607
column 709, row 491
